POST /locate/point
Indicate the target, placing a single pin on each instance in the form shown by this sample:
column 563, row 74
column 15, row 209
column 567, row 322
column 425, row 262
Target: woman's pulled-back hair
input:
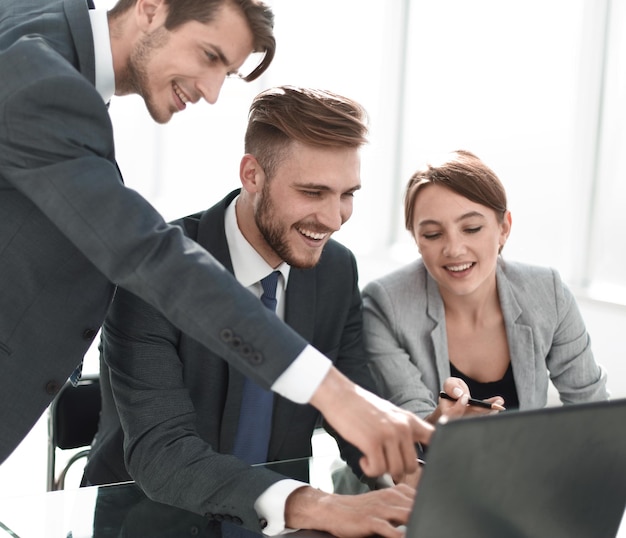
column 464, row 173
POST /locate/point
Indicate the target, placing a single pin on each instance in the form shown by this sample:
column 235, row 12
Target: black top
column 504, row 387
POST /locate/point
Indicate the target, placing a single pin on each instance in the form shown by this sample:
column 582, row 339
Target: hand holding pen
column 474, row 402
column 455, row 389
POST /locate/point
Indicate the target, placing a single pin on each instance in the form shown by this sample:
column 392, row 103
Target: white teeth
column 180, row 94
column 313, row 235
column 457, row 268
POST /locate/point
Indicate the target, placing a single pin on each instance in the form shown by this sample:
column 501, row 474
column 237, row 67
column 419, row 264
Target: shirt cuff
column 304, row 375
column 271, row 506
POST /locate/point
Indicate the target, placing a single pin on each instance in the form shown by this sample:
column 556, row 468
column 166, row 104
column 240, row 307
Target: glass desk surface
column 122, row 510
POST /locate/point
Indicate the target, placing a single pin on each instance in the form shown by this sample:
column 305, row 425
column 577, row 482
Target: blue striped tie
column 255, row 419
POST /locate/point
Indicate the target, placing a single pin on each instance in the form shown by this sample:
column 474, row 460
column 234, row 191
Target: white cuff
column 304, row 375
column 271, row 505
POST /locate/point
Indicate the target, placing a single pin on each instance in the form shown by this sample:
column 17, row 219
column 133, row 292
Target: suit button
column 226, row 335
column 257, row 358
column 219, row 517
column 246, row 350
column 194, row 531
column 52, row 387
column 89, row 334
column 263, row 522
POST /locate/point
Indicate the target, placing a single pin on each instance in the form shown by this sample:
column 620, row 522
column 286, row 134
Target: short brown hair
column 259, row 16
column 464, row 173
column 313, row 117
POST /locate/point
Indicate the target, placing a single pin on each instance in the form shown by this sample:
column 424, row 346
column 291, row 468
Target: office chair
column 72, row 423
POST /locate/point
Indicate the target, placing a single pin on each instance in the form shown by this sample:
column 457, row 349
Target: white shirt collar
column 248, row 265
column 105, row 76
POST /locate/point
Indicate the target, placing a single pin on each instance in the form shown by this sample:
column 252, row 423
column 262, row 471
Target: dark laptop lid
column 558, row 472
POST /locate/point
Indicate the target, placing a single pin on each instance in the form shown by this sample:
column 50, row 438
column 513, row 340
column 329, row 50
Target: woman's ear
column 505, row 229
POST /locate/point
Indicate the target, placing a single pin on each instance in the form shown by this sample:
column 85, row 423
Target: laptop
column 557, row 472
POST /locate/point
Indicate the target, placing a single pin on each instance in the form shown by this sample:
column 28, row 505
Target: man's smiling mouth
column 317, row 236
column 181, row 95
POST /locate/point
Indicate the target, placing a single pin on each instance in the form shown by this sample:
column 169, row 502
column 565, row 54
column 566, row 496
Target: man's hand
column 411, row 479
column 384, row 433
column 351, row 516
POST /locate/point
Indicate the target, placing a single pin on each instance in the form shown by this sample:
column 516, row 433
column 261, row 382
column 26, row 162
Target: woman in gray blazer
column 500, row 329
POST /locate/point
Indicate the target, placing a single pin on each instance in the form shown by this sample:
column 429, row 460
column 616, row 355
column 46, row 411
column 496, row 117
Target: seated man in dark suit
column 182, row 407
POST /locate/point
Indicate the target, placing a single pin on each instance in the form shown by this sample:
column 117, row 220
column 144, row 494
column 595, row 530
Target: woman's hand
column 458, row 389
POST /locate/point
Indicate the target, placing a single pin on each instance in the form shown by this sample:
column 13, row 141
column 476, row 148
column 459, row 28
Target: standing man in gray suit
column 71, row 231
column 180, row 404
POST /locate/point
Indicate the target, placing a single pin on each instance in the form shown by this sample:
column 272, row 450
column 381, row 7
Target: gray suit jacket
column 179, row 402
column 406, row 342
column 71, row 230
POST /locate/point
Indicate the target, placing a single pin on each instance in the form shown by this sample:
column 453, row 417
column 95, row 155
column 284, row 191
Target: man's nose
column 334, row 214
column 210, row 86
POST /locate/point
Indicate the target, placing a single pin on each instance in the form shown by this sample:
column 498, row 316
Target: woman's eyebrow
column 465, row 216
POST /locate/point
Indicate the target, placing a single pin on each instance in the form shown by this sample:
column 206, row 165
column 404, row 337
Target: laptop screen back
column 558, row 472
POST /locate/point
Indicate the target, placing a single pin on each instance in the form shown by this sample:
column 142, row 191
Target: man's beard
column 275, row 234
column 135, row 78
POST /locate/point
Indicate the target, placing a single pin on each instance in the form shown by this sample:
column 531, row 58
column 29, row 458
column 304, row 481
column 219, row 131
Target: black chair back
column 72, row 423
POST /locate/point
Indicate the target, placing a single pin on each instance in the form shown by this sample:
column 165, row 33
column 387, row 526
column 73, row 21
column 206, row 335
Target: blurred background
column 536, row 88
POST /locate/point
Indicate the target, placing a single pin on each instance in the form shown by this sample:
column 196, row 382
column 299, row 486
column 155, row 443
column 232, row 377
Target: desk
column 122, row 510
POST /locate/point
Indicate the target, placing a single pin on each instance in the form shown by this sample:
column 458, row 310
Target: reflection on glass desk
column 122, row 510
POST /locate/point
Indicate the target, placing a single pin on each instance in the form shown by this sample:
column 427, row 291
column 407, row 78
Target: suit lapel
column 301, row 302
column 521, row 342
column 438, row 335
column 212, row 233
column 80, row 26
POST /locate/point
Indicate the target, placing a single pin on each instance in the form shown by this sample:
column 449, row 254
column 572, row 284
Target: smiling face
column 172, row 68
column 458, row 239
column 291, row 216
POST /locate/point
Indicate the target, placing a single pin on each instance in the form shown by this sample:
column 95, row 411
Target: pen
column 474, row 402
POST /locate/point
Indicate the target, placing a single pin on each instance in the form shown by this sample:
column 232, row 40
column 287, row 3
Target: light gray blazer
column 71, row 230
column 406, row 342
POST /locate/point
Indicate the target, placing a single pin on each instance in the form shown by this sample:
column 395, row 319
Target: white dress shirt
column 105, row 76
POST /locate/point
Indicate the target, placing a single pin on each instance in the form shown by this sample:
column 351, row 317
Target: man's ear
column 150, row 13
column 251, row 174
